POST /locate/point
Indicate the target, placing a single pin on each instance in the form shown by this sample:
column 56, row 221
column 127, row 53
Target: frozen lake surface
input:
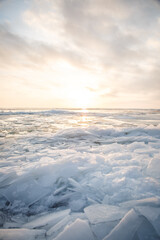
column 77, row 174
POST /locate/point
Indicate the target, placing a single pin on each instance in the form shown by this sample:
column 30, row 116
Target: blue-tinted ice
column 71, row 174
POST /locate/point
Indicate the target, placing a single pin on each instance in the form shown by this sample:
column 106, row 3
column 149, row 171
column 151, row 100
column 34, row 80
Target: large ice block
column 7, row 179
column 25, row 190
column 153, row 167
column 146, row 231
column 57, row 228
column 133, row 226
column 76, row 231
column 103, row 229
column 126, row 228
column 51, row 218
column 98, row 213
column 151, row 213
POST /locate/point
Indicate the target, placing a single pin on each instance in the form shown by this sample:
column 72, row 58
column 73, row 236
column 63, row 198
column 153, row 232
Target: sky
column 79, row 54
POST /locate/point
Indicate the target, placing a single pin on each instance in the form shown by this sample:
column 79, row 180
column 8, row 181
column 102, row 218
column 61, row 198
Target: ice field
column 80, row 175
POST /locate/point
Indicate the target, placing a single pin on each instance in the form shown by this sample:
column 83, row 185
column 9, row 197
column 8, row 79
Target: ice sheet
column 70, row 159
column 76, row 231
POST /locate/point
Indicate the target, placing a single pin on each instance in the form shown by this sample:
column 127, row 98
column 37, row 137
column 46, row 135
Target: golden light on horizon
column 81, row 98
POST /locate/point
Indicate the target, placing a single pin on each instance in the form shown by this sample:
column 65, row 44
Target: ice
column 146, row 231
column 58, row 226
column 12, row 225
column 153, row 168
column 133, row 226
column 19, row 234
column 101, row 230
column 72, row 133
column 47, row 219
column 25, row 190
column 126, row 228
column 152, row 202
column 151, row 213
column 59, row 190
column 99, row 213
column 2, row 219
column 74, row 184
column 7, row 179
column 156, row 225
column 99, row 164
column 77, row 205
column 76, row 231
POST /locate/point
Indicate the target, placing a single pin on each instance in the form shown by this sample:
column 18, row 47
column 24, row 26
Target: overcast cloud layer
column 54, row 53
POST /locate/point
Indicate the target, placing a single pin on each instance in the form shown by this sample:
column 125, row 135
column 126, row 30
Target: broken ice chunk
column 147, row 231
column 156, row 225
column 76, row 231
column 47, row 219
column 11, row 225
column 56, row 228
column 25, row 190
column 99, row 213
column 127, row 227
column 59, row 190
column 151, row 213
column 152, row 202
column 133, row 226
column 19, row 234
column 74, row 184
column 2, row 219
column 7, row 179
column 153, row 168
column 77, row 205
column 102, row 229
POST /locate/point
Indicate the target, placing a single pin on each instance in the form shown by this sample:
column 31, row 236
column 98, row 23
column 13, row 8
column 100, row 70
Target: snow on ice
column 80, row 175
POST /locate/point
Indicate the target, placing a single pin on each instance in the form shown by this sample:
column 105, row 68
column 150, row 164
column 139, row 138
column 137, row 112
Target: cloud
column 116, row 41
column 16, row 51
column 100, row 31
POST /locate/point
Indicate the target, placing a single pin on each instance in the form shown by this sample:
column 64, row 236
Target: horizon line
column 71, row 108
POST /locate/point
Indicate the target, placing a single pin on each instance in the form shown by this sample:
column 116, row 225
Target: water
column 53, row 160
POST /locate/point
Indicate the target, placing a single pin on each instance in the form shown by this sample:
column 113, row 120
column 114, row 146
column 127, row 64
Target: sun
column 76, row 83
column 81, row 98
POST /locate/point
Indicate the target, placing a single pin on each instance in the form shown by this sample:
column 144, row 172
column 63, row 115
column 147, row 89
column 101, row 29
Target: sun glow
column 81, row 98
column 77, row 93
